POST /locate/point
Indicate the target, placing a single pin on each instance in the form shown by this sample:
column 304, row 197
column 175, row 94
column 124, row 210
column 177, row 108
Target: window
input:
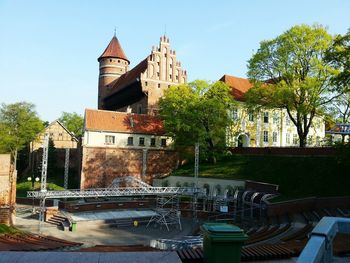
column 110, row 60
column 141, row 141
column 177, row 77
column 157, row 74
column 295, row 139
column 170, row 76
column 251, row 116
column 275, row 118
column 287, row 138
column 274, row 136
column 266, row 117
column 287, row 120
column 109, row 139
column 146, row 83
column 163, row 142
column 118, row 60
column 266, row 136
column 130, row 140
column 158, row 64
column 158, row 85
column 234, row 114
column 153, row 142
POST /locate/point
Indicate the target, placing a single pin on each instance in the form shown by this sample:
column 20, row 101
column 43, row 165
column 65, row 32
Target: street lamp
column 29, row 179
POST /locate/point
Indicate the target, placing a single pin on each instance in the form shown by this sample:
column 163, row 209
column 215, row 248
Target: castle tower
column 113, row 64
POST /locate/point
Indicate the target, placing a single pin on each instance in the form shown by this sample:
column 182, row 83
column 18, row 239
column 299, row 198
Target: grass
column 54, row 182
column 24, row 186
column 297, row 176
column 4, row 229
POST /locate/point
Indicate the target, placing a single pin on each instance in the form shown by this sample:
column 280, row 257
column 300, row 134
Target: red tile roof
column 112, row 121
column 114, row 50
column 239, row 86
column 129, row 76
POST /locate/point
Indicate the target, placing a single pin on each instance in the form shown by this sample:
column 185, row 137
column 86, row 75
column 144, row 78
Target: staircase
column 59, row 221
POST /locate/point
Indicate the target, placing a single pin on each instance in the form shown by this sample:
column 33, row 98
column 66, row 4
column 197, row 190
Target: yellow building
column 267, row 127
column 60, row 136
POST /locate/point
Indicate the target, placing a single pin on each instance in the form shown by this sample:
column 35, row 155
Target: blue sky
column 49, row 49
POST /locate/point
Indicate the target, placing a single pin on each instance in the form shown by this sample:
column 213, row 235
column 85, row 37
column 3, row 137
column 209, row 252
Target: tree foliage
column 294, row 74
column 73, row 122
column 19, row 125
column 198, row 112
column 339, row 56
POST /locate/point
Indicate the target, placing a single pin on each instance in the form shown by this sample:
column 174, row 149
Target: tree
column 290, row 72
column 339, row 56
column 19, row 125
column 198, row 112
column 73, row 122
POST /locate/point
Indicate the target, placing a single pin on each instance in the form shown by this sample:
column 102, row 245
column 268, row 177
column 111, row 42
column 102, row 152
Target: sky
column 49, row 49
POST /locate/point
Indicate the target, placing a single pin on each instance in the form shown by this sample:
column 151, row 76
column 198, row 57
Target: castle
column 140, row 88
column 125, row 135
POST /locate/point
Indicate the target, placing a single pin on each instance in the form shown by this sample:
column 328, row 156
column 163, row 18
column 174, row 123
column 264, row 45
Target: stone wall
column 213, row 186
column 7, row 190
column 101, row 165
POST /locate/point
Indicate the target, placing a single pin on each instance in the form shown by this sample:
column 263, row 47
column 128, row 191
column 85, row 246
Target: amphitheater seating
column 31, row 242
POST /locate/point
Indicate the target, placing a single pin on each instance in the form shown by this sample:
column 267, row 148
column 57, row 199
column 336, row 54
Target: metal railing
column 319, row 248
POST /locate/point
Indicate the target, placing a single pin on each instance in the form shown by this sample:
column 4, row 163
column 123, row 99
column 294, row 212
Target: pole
column 43, row 180
column 66, row 169
column 196, row 168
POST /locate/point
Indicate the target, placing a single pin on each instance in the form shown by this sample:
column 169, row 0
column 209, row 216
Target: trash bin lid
column 222, row 228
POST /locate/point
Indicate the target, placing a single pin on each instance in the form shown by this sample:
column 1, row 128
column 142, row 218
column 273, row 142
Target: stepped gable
column 112, row 121
column 129, row 77
column 114, row 50
column 239, row 86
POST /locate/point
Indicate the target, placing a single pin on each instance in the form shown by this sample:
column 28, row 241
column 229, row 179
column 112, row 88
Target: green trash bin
column 222, row 242
column 74, row 226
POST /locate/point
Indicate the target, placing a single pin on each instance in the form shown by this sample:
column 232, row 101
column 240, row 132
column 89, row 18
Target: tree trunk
column 302, row 141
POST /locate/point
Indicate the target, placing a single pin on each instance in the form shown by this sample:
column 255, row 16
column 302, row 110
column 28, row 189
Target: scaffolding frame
column 109, row 192
column 168, row 211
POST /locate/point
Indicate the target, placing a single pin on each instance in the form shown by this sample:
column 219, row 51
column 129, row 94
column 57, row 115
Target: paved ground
column 92, row 233
column 91, row 257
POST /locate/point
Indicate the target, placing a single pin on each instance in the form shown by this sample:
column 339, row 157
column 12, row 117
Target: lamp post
column 29, row 179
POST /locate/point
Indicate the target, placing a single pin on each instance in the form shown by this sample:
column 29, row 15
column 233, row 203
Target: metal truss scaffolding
column 105, row 192
column 168, row 212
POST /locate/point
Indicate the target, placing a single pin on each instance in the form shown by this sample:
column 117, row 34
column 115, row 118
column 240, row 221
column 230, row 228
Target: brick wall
column 101, row 165
column 7, row 190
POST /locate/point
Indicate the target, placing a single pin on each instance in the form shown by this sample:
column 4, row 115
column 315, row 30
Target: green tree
column 198, row 112
column 339, row 56
column 19, row 125
column 299, row 80
column 73, row 122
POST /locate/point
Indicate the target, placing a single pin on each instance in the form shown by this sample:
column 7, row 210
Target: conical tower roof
column 114, row 50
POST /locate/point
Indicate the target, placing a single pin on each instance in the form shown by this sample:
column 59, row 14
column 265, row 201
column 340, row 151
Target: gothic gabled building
column 140, row 88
